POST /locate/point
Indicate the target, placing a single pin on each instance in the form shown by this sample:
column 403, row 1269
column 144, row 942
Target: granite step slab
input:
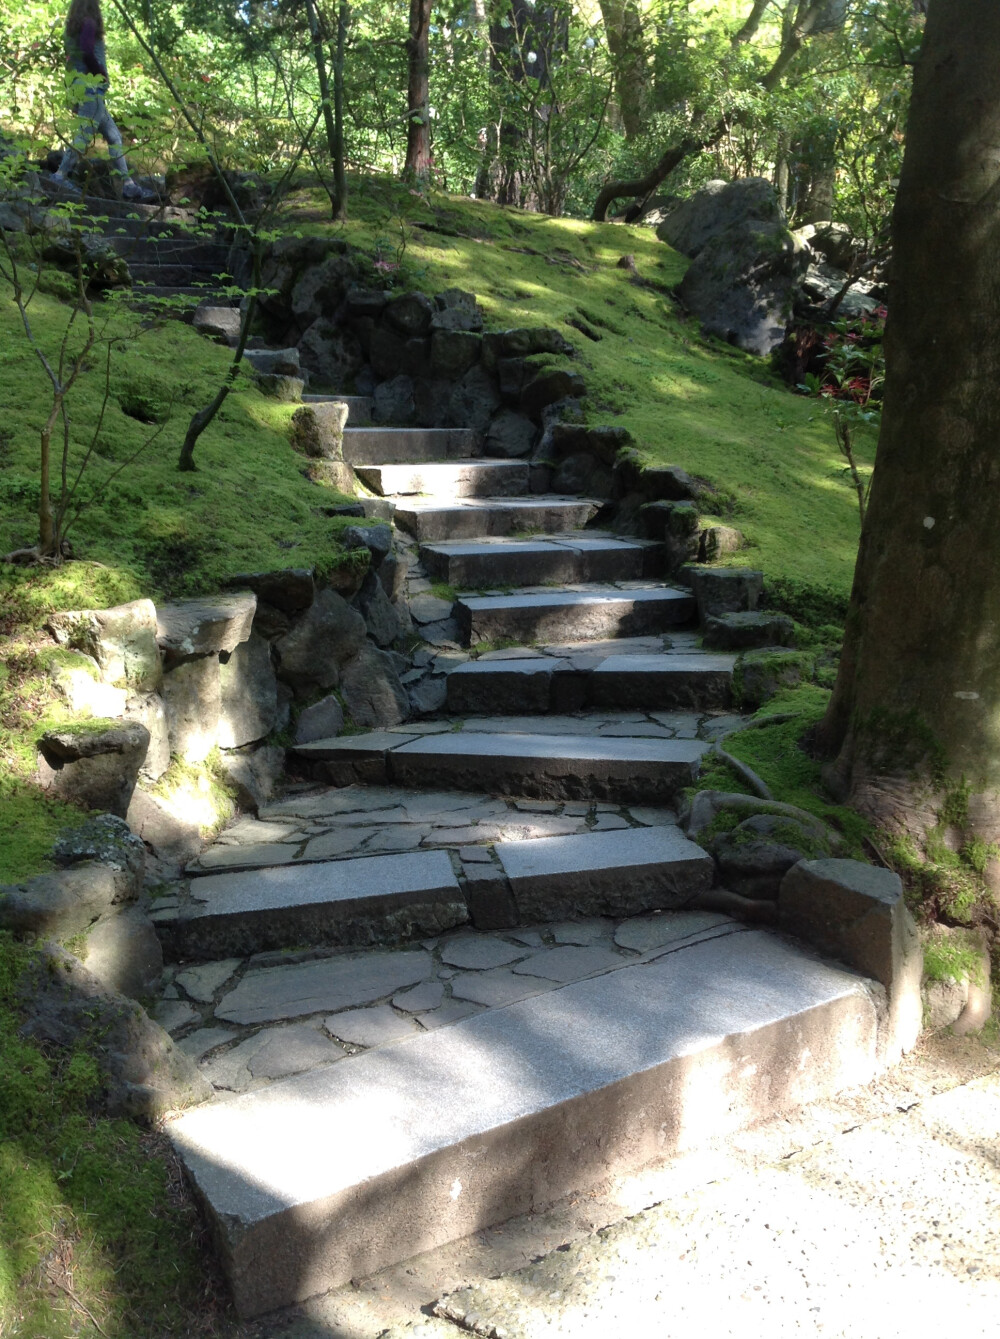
column 401, row 446
column 520, row 562
column 536, row 766
column 359, row 407
column 367, row 900
column 546, row 684
column 618, row 873
column 476, row 518
column 578, row 614
column 444, row 479
column 334, row 1174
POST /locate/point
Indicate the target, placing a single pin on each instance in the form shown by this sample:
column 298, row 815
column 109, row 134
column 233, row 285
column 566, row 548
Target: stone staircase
column 170, row 251
column 474, row 963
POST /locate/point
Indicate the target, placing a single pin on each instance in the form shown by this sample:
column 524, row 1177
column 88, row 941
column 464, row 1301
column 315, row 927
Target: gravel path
column 876, row 1213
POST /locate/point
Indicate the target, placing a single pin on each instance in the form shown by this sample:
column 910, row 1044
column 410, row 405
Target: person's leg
column 88, row 114
column 112, row 134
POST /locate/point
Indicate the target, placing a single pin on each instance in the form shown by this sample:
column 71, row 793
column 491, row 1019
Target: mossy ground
column 718, row 413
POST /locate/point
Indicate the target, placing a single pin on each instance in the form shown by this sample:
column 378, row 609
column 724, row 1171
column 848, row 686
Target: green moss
column 953, row 958
column 85, row 1195
column 89, row 725
column 198, row 792
column 30, row 822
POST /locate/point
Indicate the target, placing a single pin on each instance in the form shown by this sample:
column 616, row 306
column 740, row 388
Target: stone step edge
column 446, row 1136
column 526, row 881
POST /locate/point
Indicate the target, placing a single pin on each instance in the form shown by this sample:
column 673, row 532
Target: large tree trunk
column 418, row 135
column 915, row 715
column 623, row 27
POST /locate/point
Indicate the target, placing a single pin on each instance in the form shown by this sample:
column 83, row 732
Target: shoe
column 131, row 190
column 65, row 184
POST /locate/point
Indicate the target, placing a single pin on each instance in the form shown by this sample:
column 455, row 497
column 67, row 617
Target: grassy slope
column 704, row 406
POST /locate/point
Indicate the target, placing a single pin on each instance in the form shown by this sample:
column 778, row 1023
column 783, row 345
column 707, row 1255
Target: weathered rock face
column 394, row 402
column 323, row 720
column 856, row 913
column 330, row 354
column 248, row 704
column 318, row 431
column 510, row 435
column 743, row 284
column 95, row 764
column 692, row 224
column 192, row 699
column 205, row 626
column 145, row 1075
column 372, row 691
column 329, row 633
column 291, row 589
column 274, row 362
column 121, row 640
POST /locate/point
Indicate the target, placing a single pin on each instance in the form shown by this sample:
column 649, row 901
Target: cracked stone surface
column 480, row 951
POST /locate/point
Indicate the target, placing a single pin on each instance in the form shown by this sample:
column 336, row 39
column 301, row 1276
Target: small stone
column 480, row 952
column 291, row 1050
column 568, row 964
column 201, row 982
column 369, row 1027
column 429, row 609
column 172, row 1015
column 428, row 995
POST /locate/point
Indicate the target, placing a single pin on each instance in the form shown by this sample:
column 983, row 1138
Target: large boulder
column 372, row 692
column 248, row 706
column 691, row 224
column 192, row 700
column 743, row 284
column 205, row 626
column 393, row 401
column 318, row 431
column 122, row 641
column 331, row 354
column 93, row 763
column 328, row 635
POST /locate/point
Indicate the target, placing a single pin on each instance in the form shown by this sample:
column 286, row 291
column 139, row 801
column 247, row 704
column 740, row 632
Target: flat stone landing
column 336, row 1173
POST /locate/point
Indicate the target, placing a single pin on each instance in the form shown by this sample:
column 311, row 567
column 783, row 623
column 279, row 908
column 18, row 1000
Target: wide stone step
column 359, row 407
column 568, row 767
column 475, row 518
column 356, row 902
column 337, row 1173
column 544, row 683
column 575, row 615
column 530, row 562
column 467, row 478
column 401, row 446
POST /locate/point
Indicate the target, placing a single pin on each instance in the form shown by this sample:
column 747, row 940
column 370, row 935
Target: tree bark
column 623, row 27
column 418, row 135
column 915, row 714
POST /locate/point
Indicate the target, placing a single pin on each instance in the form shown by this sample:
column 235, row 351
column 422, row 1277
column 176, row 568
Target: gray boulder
column 318, row 431
column 331, row 354
column 728, row 590
column 410, row 314
column 743, row 284
column 474, row 401
column 192, row 700
column 456, row 310
column 381, row 618
column 823, row 282
column 94, row 764
column 328, row 634
column 754, row 856
column 255, row 773
column 248, row 704
column 453, row 352
column 219, row 323
column 123, row 952
column 394, row 402
column 372, row 692
column 510, row 435
column 323, row 720
column 205, row 625
column 122, row 640
column 290, row 589
column 277, row 386
column 319, row 288
column 274, row 362
column 691, row 224
column 738, row 632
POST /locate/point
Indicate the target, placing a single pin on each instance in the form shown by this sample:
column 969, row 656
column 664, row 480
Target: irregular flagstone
column 451, row 1011
column 330, row 845
column 291, row 1050
column 350, row 901
column 244, row 857
column 498, row 986
column 479, row 951
column 644, row 933
column 251, row 831
column 172, row 1015
column 198, row 1044
column 569, row 963
column 398, row 839
column 428, row 995
column 581, row 933
column 348, row 800
column 370, row 1027
column 269, row 993
column 201, row 982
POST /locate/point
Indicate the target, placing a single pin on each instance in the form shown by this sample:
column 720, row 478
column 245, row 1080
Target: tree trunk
column 418, row 135
column 914, row 720
column 623, row 27
column 339, row 203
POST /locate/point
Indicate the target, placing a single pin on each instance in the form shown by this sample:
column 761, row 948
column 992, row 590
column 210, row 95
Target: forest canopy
column 552, row 106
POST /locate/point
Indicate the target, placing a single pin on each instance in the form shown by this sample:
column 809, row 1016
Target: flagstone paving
column 251, row 1021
